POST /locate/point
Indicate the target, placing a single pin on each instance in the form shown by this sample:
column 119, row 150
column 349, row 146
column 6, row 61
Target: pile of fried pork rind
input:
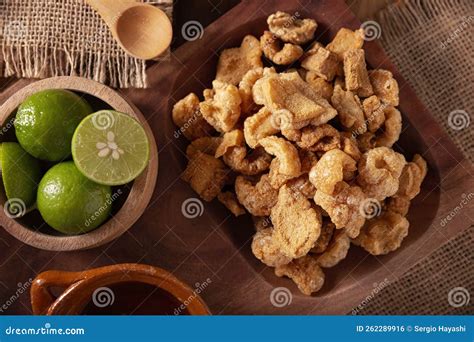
column 306, row 151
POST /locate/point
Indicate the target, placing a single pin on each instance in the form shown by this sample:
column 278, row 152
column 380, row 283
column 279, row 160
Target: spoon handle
column 110, row 10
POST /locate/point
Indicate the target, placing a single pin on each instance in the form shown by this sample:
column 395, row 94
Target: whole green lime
column 45, row 123
column 21, row 174
column 71, row 203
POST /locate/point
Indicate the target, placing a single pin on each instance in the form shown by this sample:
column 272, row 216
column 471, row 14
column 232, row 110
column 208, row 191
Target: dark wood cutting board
column 215, row 246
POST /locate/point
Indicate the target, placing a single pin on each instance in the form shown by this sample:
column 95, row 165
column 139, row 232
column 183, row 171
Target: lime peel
column 45, row 123
column 71, row 203
column 21, row 174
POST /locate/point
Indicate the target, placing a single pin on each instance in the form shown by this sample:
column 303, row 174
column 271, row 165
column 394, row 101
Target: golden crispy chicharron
column 308, row 152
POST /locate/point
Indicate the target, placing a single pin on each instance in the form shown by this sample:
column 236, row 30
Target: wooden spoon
column 142, row 30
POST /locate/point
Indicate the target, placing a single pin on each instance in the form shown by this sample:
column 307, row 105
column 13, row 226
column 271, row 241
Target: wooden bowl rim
column 140, row 193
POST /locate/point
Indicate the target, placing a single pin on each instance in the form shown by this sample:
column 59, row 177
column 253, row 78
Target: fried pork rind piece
column 249, row 164
column 206, row 145
column 343, row 207
column 303, row 186
column 322, row 62
column 391, row 128
column 258, row 199
column 188, row 117
column 346, row 40
column 290, row 29
column 266, row 250
column 291, row 134
column 411, row 178
column 261, row 222
column 248, row 106
column 208, row 94
column 229, row 140
column 282, row 55
column 387, row 134
column 285, row 152
column 259, row 126
column 355, row 71
column 366, row 141
column 383, row 234
column 336, row 251
column 350, row 110
column 333, row 168
column 304, row 88
column 320, row 138
column 297, row 224
column 206, row 175
column 320, row 86
column 257, row 91
column 223, row 110
column 385, row 86
column 229, row 199
column 379, row 172
column 327, row 231
column 398, row 204
column 410, row 184
column 301, row 72
column 277, row 179
column 234, row 63
column 294, row 101
column 374, row 113
column 307, row 160
column 305, row 272
column 349, row 146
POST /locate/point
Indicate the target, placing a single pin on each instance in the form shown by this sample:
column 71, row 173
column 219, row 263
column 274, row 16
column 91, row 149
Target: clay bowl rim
column 140, row 192
column 78, row 294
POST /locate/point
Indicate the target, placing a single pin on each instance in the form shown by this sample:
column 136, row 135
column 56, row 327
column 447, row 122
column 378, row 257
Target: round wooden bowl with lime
column 77, row 180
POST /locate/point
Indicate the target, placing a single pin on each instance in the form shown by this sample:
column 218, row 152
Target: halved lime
column 46, row 121
column 21, row 174
column 110, row 148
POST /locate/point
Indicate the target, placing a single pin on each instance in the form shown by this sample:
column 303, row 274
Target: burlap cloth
column 431, row 44
column 43, row 38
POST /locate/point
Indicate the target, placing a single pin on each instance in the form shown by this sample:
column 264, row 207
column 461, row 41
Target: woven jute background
column 431, row 44
column 440, row 284
column 44, row 38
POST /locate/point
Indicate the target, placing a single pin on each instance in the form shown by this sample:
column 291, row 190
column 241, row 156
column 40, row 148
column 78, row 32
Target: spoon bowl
column 142, row 30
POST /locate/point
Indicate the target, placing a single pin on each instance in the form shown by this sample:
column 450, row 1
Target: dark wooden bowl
column 31, row 229
column 222, row 242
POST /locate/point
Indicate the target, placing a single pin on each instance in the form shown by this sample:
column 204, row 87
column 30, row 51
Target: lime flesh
column 45, row 123
column 110, row 148
column 21, row 174
column 70, row 202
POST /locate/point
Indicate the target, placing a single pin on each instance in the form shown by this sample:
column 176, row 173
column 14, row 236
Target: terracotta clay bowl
column 80, row 289
column 133, row 199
